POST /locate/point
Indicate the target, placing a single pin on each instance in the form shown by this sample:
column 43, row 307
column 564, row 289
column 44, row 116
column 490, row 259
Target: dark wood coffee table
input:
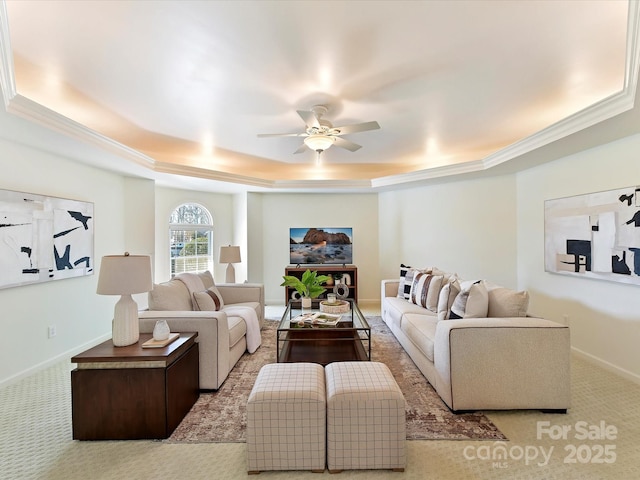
column 348, row 340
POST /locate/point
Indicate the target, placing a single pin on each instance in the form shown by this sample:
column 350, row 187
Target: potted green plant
column 308, row 286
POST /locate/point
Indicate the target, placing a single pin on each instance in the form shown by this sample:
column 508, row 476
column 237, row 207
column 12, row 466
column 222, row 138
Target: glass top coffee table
column 301, row 338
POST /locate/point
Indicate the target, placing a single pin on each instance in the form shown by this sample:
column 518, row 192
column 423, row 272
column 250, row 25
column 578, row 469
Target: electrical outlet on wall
column 51, row 331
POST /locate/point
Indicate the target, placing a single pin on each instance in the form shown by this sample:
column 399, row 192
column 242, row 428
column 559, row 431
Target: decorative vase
column 341, row 290
column 161, row 330
column 306, row 302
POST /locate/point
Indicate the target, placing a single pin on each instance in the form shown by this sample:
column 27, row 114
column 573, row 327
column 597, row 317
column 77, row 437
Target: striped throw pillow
column 210, row 300
column 425, row 290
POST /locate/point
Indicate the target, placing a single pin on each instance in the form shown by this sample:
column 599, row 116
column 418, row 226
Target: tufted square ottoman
column 286, row 418
column 365, row 417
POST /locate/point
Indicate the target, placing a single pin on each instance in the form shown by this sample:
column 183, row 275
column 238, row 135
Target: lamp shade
column 230, row 254
column 319, row 142
column 125, row 274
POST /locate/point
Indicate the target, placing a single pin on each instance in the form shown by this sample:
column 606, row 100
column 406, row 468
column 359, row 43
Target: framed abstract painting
column 44, row 238
column 596, row 235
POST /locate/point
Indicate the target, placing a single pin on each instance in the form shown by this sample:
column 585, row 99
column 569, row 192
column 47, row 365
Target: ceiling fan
column 320, row 134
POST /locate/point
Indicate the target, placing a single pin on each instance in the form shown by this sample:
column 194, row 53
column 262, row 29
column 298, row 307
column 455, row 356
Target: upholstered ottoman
column 286, row 418
column 365, row 417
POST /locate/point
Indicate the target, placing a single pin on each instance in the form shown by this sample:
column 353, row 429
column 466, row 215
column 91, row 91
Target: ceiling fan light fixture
column 319, row 143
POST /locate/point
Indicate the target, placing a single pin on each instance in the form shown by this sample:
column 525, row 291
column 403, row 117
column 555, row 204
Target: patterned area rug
column 221, row 416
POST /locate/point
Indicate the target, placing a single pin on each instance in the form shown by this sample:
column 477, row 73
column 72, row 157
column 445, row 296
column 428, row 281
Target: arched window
column 190, row 233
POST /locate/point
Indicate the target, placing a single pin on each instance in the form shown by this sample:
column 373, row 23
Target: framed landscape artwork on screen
column 596, row 235
column 320, row 245
column 44, row 238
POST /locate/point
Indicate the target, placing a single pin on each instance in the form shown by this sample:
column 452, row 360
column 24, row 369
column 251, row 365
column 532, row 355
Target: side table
column 129, row 393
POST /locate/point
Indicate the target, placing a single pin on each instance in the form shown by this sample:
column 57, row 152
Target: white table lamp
column 230, row 255
column 125, row 275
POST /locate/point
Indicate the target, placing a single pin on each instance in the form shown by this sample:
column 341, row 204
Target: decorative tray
column 339, row 306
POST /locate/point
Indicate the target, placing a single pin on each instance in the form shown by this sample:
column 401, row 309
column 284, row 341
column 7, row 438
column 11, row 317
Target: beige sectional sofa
column 227, row 317
column 510, row 361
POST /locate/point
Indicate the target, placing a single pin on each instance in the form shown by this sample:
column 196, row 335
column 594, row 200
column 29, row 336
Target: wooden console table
column 129, row 393
column 326, row 269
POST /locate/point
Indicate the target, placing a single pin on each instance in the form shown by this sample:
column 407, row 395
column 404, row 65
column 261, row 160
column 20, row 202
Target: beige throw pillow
column 504, row 302
column 172, row 295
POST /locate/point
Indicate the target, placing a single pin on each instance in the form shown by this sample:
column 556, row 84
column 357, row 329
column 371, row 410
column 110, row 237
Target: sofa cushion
column 425, row 290
column 395, row 308
column 504, row 302
column 208, row 300
column 172, row 295
column 421, row 330
column 448, row 294
column 471, row 302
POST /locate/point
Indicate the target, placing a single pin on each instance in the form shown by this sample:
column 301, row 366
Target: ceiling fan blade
column 301, row 148
column 309, row 118
column 262, row 135
column 358, row 127
column 344, row 143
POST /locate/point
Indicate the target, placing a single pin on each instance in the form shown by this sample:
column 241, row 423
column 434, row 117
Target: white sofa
column 494, row 363
column 222, row 333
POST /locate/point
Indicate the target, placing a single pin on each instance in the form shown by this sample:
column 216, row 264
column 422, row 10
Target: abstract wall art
column 44, row 238
column 596, row 235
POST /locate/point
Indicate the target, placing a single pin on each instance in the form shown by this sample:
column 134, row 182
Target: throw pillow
column 425, row 290
column 471, row 302
column 209, row 300
column 406, row 280
column 172, row 295
column 207, row 279
column 447, row 275
column 504, row 302
column 448, row 294
column 403, row 274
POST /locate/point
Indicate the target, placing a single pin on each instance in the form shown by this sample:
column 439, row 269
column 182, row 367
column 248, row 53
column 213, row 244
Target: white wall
column 282, row 211
column 604, row 316
column 467, row 227
column 81, row 317
column 489, row 228
column 219, row 205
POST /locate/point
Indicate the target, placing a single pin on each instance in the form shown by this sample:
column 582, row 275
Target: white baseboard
column 621, row 372
column 52, row 361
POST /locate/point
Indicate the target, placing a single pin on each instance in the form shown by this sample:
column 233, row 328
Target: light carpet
column 221, row 416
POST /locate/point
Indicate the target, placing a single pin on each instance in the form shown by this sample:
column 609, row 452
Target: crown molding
column 30, row 110
column 7, row 79
column 590, row 116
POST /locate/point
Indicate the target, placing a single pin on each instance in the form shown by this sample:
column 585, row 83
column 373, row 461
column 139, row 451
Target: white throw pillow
column 425, row 290
column 471, row 302
column 210, row 300
column 448, row 294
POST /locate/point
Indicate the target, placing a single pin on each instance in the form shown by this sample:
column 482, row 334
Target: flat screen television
column 320, row 246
